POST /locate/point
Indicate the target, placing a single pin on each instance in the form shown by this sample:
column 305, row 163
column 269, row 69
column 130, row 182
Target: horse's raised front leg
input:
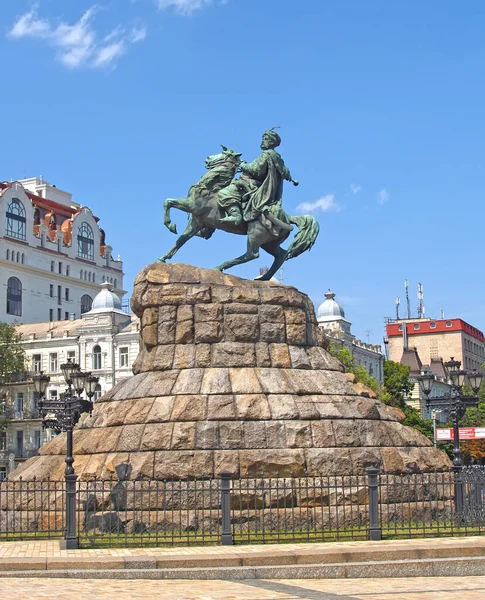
column 184, row 204
column 251, row 253
column 279, row 254
column 190, row 231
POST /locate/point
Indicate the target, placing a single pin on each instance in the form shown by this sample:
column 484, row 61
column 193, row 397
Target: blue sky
column 380, row 106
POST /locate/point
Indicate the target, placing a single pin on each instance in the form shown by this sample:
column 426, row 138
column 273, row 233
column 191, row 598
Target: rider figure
column 260, row 185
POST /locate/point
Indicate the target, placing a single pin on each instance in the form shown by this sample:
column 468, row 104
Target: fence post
column 70, row 478
column 226, row 538
column 375, row 531
column 458, row 476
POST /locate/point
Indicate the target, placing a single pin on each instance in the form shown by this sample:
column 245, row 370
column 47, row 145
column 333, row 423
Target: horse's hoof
column 161, row 260
column 172, row 227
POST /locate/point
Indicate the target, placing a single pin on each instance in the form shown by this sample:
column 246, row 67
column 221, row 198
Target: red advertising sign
column 466, row 433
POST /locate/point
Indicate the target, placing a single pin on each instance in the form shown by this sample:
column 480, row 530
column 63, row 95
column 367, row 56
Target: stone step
column 345, row 559
column 436, row 567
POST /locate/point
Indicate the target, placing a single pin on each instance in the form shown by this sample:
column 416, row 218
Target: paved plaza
column 35, row 558
column 425, row 588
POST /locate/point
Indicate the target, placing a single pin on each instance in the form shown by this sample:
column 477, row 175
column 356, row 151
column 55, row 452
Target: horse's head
column 227, row 157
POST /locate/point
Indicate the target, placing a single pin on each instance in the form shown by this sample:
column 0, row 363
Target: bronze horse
column 201, row 203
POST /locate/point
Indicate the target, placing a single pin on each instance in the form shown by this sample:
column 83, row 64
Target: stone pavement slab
column 459, row 588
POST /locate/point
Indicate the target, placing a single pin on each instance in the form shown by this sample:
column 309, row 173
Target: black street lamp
column 455, row 403
column 62, row 415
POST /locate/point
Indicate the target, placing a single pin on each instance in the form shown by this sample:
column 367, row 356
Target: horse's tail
column 308, row 229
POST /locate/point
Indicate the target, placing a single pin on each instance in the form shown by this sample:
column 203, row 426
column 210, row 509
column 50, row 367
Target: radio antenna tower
column 420, row 301
column 397, row 300
column 408, row 303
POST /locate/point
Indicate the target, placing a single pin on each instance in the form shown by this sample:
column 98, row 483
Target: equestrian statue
column 249, row 205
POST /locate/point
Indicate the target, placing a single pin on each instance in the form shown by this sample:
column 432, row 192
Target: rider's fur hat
column 273, row 136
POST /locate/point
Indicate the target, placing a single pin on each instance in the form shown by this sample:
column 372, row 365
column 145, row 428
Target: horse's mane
column 218, row 176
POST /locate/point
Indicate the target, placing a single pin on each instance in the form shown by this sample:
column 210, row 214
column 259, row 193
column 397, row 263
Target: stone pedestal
column 232, row 375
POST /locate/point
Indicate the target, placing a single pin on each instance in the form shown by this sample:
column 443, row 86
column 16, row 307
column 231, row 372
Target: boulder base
column 233, row 376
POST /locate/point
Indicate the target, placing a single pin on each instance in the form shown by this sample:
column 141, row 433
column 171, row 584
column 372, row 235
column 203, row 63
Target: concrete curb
column 450, row 567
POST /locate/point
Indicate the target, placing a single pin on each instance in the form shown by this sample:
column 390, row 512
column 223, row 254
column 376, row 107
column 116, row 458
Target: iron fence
column 149, row 512
column 299, row 509
column 258, row 509
column 32, row 509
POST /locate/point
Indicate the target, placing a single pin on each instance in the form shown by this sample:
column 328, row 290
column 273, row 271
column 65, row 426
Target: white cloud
column 325, row 204
column 107, row 54
column 137, row 34
column 355, row 189
column 383, row 196
column 77, row 44
column 185, row 7
column 29, row 24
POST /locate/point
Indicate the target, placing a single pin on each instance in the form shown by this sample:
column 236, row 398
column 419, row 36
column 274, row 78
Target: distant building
column 440, row 387
column 53, row 254
column 438, row 339
column 331, row 318
column 104, row 341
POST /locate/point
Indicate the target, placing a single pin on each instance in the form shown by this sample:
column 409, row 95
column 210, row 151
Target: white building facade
column 104, row 341
column 53, row 254
column 331, row 318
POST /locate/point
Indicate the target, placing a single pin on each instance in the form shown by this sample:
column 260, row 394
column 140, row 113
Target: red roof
column 420, row 327
column 51, row 206
column 48, row 205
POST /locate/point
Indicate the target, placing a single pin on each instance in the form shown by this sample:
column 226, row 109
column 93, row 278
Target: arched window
column 116, row 283
column 8, row 254
column 97, row 358
column 16, row 219
column 85, row 242
column 18, row 256
column 89, row 276
column 13, row 255
column 81, row 274
column 86, row 303
column 23, row 258
column 97, row 392
column 14, row 297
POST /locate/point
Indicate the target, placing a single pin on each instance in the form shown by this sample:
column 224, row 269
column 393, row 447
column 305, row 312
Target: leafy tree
column 414, row 419
column 12, row 360
column 397, row 383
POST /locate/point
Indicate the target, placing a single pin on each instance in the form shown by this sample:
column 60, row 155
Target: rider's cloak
column 270, row 171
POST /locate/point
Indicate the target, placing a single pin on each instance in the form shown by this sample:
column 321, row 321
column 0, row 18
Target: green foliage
column 397, row 383
column 362, row 376
column 414, row 419
column 12, row 360
column 12, row 355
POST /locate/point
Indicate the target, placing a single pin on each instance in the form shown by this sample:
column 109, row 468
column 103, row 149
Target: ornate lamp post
column 455, row 403
column 62, row 415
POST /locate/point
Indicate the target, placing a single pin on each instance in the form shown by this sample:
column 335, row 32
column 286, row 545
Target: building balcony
column 18, row 453
column 20, row 377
